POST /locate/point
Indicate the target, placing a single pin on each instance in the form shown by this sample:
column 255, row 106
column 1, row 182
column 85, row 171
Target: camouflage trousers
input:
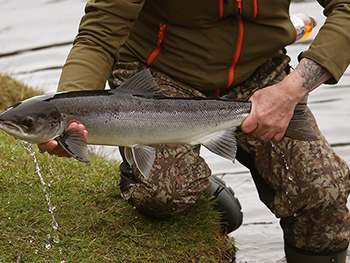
column 304, row 183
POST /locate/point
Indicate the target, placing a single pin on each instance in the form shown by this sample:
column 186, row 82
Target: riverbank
column 61, row 210
column 37, row 35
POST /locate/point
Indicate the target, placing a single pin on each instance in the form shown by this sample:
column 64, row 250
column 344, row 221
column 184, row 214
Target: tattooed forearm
column 312, row 74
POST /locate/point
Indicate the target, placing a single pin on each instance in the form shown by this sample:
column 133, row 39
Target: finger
column 59, row 151
column 78, row 126
column 248, row 125
column 48, row 146
column 278, row 136
column 264, row 137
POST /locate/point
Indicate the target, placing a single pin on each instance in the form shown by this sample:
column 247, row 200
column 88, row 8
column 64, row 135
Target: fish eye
column 28, row 121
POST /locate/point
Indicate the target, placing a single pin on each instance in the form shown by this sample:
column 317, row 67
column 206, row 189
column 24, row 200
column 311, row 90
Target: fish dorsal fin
column 223, row 144
column 143, row 156
column 74, row 142
column 142, row 83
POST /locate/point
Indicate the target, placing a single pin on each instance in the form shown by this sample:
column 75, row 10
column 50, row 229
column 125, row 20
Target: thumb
column 248, row 125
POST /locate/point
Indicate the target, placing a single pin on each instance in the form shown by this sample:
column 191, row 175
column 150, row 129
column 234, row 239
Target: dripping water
column 286, row 166
column 283, row 157
column 55, row 237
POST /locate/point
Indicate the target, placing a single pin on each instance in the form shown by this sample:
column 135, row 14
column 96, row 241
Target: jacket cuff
column 328, row 64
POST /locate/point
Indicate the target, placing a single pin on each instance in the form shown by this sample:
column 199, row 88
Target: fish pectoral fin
column 223, row 145
column 143, row 156
column 73, row 141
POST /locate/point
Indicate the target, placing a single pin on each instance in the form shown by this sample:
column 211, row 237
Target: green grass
column 94, row 223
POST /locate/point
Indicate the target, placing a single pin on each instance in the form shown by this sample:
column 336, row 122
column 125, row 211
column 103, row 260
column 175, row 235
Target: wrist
column 292, row 88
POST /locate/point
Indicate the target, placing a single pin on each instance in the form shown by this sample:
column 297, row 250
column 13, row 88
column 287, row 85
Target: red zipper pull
column 159, row 47
column 162, row 27
column 239, row 7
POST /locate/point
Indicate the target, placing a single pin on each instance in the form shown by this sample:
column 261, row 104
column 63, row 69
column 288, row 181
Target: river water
column 35, row 38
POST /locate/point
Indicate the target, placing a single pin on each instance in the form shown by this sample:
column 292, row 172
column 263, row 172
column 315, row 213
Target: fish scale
column 135, row 115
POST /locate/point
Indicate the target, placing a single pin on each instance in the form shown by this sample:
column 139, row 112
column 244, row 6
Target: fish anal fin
column 74, row 142
column 223, row 144
column 143, row 156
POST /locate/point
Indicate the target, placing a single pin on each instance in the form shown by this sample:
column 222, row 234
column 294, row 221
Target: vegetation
column 75, row 213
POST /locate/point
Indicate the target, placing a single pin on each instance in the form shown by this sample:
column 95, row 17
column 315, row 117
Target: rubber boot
column 227, row 203
column 294, row 256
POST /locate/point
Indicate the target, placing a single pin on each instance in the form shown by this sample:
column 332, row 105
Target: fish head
column 34, row 120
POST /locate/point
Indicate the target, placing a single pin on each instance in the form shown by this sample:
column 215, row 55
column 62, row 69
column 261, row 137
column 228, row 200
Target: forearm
column 87, row 68
column 307, row 76
column 312, row 74
column 331, row 46
column 103, row 30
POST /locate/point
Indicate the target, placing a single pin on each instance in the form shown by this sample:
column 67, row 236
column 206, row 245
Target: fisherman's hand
column 270, row 114
column 273, row 106
column 53, row 148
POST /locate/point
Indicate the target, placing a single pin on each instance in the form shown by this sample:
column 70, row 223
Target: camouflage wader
column 304, row 183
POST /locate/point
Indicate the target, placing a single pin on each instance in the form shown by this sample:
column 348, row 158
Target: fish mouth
column 9, row 126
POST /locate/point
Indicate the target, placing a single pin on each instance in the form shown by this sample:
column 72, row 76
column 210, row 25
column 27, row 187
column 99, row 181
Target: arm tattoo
column 311, row 72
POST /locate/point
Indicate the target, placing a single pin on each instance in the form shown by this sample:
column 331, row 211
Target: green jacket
column 208, row 44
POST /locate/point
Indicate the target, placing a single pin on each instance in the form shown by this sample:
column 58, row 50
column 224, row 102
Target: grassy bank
column 93, row 223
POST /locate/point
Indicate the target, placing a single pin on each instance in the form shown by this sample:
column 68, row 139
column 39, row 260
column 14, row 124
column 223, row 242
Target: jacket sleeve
column 331, row 46
column 103, row 29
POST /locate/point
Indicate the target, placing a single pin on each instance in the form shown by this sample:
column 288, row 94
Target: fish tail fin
column 300, row 127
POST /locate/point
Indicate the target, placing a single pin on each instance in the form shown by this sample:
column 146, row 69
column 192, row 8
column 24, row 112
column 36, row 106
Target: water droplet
column 56, row 239
column 52, row 209
column 48, row 246
column 290, row 178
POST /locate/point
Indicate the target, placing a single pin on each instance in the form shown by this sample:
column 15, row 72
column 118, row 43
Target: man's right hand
column 53, row 148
